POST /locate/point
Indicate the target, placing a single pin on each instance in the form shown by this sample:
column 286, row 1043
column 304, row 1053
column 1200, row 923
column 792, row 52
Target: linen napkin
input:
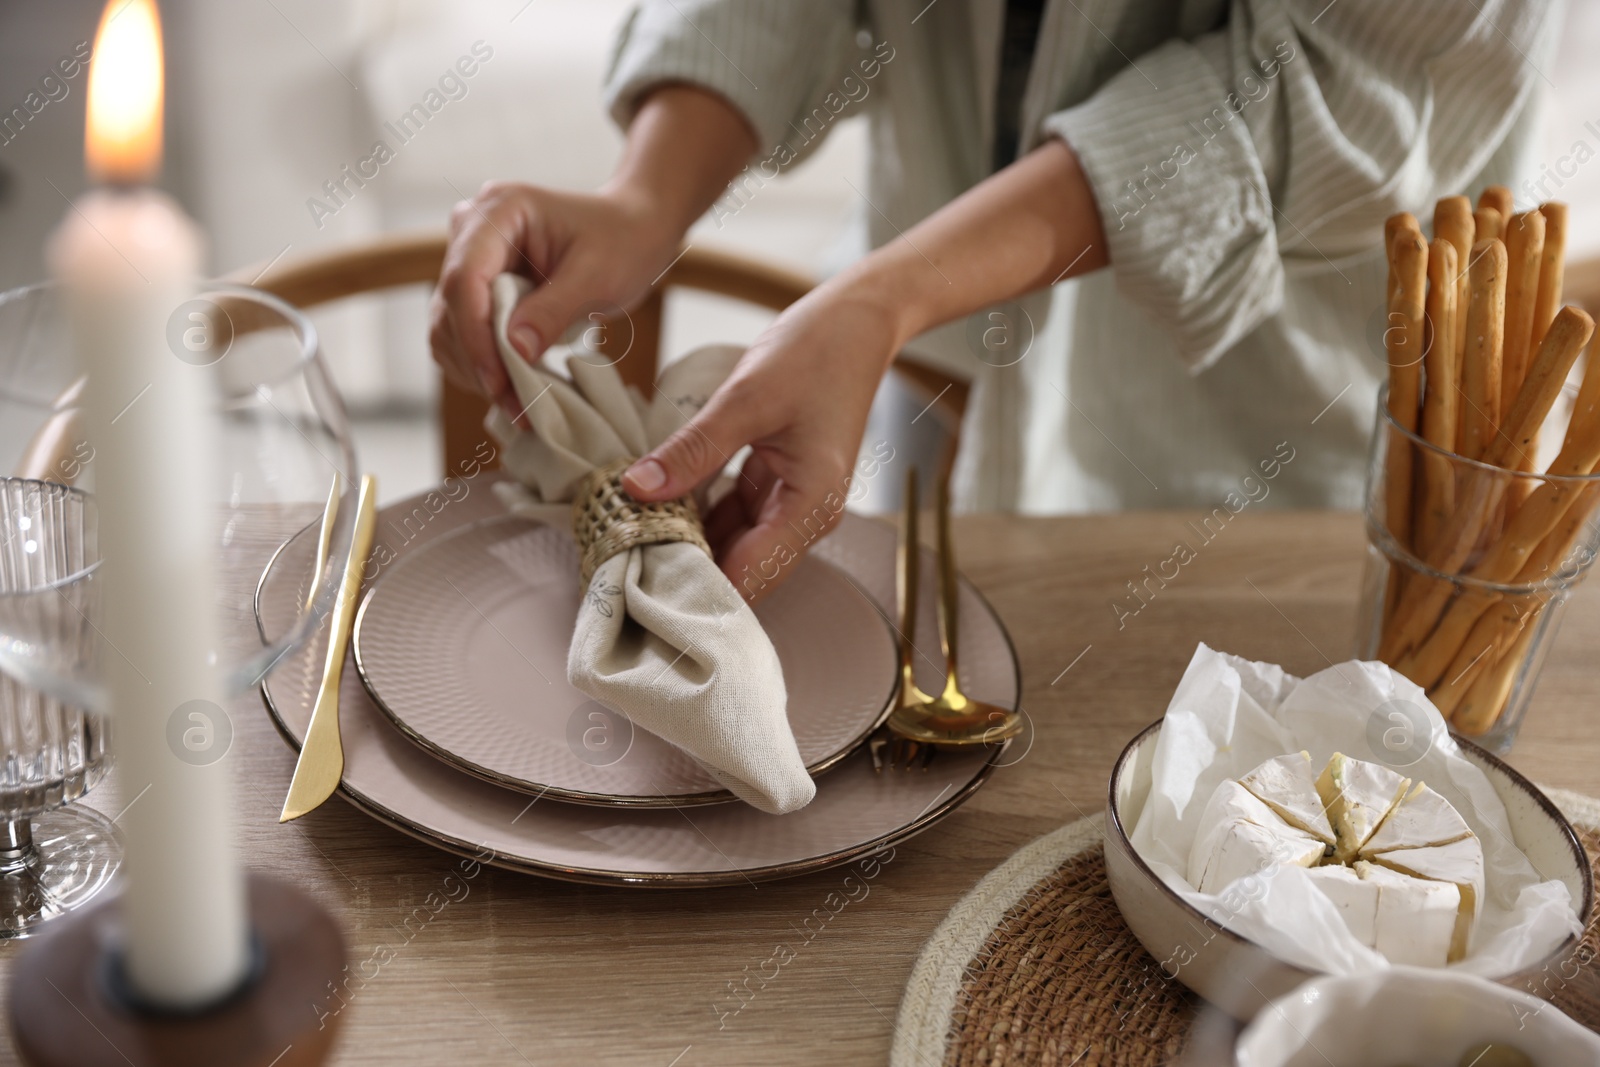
column 662, row 636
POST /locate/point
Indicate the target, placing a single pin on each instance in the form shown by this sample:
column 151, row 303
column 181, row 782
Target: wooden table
column 525, row 970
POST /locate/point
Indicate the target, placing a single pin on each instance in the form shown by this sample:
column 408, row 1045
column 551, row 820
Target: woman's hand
column 684, row 146
column 801, row 394
column 579, row 249
column 799, row 398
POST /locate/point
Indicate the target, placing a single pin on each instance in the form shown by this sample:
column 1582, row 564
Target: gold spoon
column 951, row 719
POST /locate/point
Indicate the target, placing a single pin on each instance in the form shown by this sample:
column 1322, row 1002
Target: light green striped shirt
column 1244, row 155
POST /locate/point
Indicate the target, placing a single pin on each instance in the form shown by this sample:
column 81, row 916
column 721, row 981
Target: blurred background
column 270, row 99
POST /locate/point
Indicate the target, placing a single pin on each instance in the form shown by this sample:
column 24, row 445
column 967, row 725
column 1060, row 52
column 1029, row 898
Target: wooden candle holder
column 66, row 1011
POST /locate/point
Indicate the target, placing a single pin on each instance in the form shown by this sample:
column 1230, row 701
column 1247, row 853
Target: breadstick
column 1553, row 557
column 1435, row 657
column 1554, row 560
column 1546, row 506
column 1558, row 351
column 1419, row 607
column 1487, row 225
column 1536, row 519
column 1525, row 235
column 1444, row 655
column 1402, row 222
column 1404, row 340
column 1529, row 526
column 1480, row 372
column 1403, row 382
column 1497, row 197
column 1553, row 550
column 1552, row 269
column 1393, row 226
column 1477, row 655
column 1452, row 220
column 1511, row 361
column 1441, row 395
column 1442, row 398
column 1423, row 603
column 1486, row 700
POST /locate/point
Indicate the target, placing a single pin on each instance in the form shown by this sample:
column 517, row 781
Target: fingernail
column 647, row 475
column 526, row 341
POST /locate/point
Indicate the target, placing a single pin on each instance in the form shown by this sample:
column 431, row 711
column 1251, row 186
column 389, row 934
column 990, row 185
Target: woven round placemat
column 1036, row 966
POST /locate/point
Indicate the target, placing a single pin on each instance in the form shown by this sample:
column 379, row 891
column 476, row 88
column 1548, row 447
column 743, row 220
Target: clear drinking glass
column 53, row 858
column 1469, row 569
column 283, row 443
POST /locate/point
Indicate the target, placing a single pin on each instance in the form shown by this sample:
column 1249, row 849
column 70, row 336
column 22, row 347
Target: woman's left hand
column 801, row 394
column 799, row 398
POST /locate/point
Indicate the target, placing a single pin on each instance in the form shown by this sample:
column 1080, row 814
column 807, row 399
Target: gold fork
column 921, row 724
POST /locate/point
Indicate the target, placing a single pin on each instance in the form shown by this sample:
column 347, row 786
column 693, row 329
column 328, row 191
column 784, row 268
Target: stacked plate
column 460, row 729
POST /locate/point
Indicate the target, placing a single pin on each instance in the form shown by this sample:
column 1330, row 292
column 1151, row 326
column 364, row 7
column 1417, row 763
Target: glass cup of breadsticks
column 1483, row 496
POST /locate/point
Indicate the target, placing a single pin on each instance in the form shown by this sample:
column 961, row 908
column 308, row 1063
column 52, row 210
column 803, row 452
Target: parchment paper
column 1229, row 715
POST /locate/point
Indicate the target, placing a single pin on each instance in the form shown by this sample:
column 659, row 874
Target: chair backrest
column 411, row 260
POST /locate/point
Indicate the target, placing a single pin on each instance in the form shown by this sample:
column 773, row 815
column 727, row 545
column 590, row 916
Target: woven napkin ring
column 606, row 520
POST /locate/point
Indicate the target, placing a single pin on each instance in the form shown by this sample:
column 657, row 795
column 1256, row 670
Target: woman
column 1231, row 162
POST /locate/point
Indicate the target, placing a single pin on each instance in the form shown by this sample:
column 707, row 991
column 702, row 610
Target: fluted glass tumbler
column 54, row 856
column 1469, row 570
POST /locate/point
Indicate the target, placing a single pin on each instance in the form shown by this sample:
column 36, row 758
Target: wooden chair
column 391, row 262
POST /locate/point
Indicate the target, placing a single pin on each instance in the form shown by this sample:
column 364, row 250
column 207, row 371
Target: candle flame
column 123, row 137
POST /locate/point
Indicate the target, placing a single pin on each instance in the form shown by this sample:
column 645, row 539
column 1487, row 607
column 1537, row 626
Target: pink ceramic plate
column 463, row 643
column 855, row 812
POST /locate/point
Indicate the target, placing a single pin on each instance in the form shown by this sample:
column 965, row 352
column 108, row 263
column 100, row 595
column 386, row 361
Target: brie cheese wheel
column 1356, row 900
column 1241, row 836
column 1230, row 803
column 1422, row 817
column 1357, row 795
column 1400, row 864
column 1288, row 786
column 1244, row 849
column 1416, row 918
column 1458, row 863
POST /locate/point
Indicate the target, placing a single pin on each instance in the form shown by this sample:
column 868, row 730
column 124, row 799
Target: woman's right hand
column 578, row 249
column 684, row 146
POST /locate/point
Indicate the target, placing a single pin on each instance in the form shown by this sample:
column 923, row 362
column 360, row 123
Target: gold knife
column 321, row 763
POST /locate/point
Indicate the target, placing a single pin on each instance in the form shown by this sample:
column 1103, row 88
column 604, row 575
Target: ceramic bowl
column 1238, row 975
column 1411, row 1015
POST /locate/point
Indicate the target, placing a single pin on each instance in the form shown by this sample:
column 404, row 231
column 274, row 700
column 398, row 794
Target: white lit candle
column 126, row 258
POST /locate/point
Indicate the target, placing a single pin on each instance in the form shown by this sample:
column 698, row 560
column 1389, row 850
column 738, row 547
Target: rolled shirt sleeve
column 773, row 60
column 1281, row 141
